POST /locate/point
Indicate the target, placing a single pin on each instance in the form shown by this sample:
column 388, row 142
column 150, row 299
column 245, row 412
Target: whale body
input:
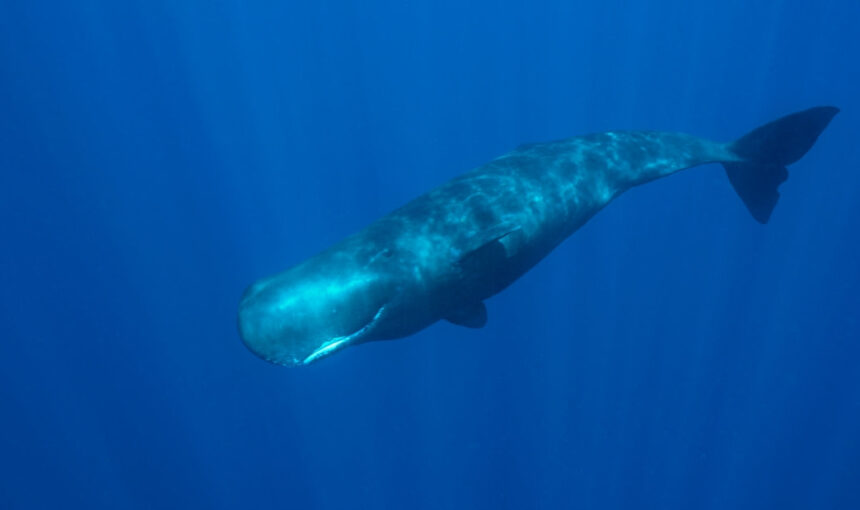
column 441, row 255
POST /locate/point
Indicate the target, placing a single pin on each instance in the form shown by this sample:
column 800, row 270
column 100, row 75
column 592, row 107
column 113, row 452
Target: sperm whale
column 443, row 254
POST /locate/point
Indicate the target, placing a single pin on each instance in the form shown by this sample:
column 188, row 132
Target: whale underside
column 441, row 255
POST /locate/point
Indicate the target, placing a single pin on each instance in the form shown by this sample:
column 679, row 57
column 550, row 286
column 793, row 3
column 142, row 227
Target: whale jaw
column 338, row 343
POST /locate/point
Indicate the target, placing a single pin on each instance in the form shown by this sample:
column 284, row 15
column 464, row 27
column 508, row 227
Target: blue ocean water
column 157, row 157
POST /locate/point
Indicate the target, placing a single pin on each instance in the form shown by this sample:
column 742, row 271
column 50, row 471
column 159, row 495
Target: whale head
column 312, row 310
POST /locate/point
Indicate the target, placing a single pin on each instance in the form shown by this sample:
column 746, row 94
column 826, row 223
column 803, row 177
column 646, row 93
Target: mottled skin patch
column 406, row 271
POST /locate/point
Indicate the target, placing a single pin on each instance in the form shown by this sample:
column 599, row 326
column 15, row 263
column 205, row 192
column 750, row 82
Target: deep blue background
column 158, row 156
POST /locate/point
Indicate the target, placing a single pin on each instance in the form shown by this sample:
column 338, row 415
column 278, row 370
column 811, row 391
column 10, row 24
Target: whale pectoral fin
column 493, row 254
column 472, row 316
column 496, row 244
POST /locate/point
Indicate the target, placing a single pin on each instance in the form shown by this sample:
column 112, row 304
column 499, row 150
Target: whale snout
column 300, row 317
column 257, row 332
column 274, row 330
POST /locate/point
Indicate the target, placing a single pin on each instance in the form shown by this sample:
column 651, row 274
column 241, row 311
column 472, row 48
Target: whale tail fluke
column 767, row 150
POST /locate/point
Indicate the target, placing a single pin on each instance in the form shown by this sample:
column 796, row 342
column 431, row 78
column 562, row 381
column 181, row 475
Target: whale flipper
column 489, row 248
column 766, row 151
column 472, row 316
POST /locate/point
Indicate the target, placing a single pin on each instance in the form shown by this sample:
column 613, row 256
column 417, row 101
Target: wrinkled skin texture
column 445, row 252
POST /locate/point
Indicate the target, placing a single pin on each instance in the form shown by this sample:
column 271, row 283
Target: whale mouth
column 339, row 342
